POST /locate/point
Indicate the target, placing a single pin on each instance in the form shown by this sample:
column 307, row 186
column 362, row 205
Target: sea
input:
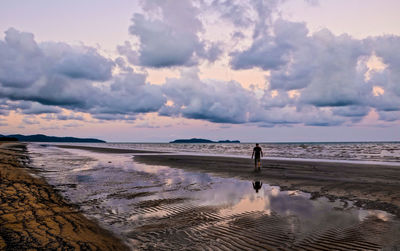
column 334, row 151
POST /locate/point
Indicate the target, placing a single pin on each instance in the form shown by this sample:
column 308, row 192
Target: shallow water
column 163, row 208
column 374, row 151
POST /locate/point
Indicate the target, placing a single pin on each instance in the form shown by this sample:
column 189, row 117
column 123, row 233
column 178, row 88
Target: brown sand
column 33, row 216
column 370, row 186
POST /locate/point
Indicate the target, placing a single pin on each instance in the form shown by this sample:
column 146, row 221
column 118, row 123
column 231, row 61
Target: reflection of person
column 257, row 154
column 257, row 185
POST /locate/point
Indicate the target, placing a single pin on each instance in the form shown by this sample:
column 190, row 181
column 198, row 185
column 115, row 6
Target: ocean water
column 377, row 152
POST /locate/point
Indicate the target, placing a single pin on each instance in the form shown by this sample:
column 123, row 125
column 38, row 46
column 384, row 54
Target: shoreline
column 34, row 216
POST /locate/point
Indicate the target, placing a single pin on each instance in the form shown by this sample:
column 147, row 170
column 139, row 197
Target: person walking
column 257, row 154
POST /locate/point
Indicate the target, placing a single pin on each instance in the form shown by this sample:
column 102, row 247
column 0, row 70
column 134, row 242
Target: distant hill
column 195, row 140
column 5, row 138
column 45, row 138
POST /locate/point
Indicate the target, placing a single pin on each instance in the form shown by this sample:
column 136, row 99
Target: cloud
column 23, row 62
column 37, row 108
column 111, row 117
column 215, row 101
column 84, row 63
column 72, row 125
column 389, row 116
column 168, row 34
column 127, row 51
column 69, row 117
column 129, row 94
column 30, row 121
column 326, row 70
column 21, row 59
column 77, row 78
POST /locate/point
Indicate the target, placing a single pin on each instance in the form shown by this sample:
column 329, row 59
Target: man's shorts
column 256, row 160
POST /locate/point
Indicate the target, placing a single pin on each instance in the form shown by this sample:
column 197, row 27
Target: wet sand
column 176, row 216
column 33, row 216
column 370, row 186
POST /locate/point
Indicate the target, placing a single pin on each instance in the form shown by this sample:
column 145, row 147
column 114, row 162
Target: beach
column 167, row 201
column 34, row 216
column 371, row 186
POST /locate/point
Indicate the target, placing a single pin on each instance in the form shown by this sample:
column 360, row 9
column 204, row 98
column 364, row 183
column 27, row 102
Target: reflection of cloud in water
column 364, row 214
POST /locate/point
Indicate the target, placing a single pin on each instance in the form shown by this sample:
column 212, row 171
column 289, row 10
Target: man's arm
column 262, row 154
column 252, row 154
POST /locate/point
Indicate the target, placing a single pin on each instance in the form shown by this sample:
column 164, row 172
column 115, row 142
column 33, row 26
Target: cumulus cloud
column 326, row 70
column 20, row 59
column 23, row 62
column 215, row 101
column 129, row 94
column 168, row 34
column 49, row 75
column 85, row 63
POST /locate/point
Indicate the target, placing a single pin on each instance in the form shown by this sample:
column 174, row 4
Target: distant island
column 195, row 140
column 45, row 138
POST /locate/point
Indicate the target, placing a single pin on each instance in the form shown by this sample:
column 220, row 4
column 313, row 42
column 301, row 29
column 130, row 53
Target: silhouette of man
column 257, row 154
column 257, row 185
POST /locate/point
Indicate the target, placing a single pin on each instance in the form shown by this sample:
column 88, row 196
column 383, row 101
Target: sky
column 159, row 70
